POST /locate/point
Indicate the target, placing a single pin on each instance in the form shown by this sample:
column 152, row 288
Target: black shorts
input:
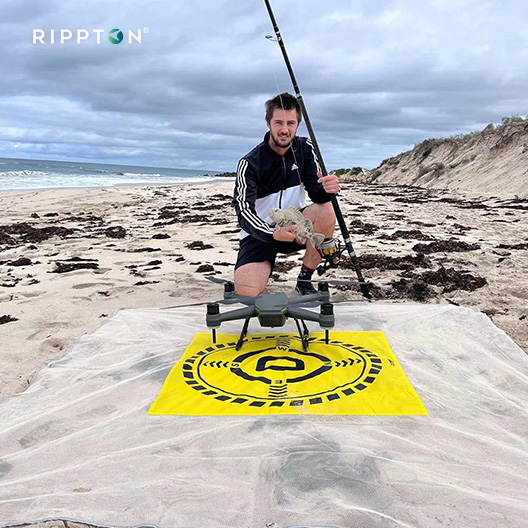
column 253, row 250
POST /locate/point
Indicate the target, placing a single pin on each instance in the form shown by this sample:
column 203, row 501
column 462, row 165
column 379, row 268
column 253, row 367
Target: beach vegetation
column 340, row 172
column 510, row 120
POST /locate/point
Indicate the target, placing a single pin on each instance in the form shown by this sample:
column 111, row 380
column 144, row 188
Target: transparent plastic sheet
column 78, row 443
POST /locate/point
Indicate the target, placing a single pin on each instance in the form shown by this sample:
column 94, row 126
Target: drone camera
column 272, row 319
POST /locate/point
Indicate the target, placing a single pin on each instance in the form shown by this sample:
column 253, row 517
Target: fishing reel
column 330, row 251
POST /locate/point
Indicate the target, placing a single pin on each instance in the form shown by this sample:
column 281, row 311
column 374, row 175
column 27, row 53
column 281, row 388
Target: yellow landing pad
column 356, row 373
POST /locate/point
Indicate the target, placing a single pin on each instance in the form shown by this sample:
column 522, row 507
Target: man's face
column 283, row 126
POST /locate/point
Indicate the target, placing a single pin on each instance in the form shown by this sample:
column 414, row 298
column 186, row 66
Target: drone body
column 273, row 310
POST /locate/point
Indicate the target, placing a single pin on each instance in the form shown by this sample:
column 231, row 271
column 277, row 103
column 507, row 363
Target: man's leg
column 323, row 220
column 254, row 274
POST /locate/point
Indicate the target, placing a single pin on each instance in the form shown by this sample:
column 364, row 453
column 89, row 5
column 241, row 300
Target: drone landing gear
column 304, row 334
column 242, row 335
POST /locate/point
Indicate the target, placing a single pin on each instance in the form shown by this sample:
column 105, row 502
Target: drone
column 274, row 309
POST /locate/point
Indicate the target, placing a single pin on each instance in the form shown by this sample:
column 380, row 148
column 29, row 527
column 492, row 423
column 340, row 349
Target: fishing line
column 335, row 204
column 294, row 137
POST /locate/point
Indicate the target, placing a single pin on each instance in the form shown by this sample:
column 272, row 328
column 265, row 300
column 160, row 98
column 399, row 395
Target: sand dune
column 493, row 162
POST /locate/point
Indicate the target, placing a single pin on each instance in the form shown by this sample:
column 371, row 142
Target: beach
column 69, row 259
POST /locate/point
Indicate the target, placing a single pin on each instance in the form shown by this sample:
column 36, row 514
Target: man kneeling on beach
column 275, row 175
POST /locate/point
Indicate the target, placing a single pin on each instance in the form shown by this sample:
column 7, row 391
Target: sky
column 377, row 77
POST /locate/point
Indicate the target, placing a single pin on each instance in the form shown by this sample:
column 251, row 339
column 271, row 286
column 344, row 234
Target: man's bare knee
column 252, row 278
column 322, row 216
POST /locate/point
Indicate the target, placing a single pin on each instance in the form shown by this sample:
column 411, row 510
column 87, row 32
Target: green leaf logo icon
column 117, row 36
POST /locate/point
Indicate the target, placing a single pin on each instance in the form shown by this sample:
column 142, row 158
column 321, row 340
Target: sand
column 151, row 247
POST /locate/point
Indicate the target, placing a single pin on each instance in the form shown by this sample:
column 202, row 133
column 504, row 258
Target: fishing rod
column 335, row 204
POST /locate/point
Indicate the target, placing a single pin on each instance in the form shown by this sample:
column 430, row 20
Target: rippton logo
column 117, row 38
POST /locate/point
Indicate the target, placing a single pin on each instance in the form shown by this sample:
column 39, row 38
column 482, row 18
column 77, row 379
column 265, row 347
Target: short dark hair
column 284, row 101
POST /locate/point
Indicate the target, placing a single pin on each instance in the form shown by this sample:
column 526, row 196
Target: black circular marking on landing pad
column 239, row 371
column 350, row 387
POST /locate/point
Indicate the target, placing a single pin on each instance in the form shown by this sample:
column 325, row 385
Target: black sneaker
column 305, row 287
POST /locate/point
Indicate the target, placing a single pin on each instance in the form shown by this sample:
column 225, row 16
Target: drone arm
column 301, row 313
column 326, row 318
column 242, row 299
column 318, row 296
column 233, row 315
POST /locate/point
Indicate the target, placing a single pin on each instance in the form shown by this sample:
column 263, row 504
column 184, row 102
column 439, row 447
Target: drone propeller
column 221, row 301
column 243, row 299
column 332, row 282
column 312, row 303
column 219, row 280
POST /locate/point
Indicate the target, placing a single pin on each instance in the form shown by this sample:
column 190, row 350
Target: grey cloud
column 377, row 77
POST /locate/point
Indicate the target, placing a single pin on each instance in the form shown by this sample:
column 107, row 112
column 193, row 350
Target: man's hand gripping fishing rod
column 335, row 204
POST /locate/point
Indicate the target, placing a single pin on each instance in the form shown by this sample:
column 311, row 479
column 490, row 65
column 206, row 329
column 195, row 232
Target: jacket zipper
column 283, row 181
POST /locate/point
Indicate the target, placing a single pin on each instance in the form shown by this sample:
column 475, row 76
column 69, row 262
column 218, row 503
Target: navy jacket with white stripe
column 266, row 180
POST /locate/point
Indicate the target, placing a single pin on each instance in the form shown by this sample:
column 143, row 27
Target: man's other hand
column 285, row 234
column 330, row 182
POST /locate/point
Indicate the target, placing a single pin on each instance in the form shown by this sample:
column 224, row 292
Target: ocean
column 23, row 175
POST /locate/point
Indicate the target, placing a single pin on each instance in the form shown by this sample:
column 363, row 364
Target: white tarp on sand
column 78, row 443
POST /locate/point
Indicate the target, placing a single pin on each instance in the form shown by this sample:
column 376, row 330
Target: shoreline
column 139, row 185
column 83, row 254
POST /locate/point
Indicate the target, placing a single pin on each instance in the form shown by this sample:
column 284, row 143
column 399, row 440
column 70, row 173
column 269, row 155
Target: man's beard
column 286, row 140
